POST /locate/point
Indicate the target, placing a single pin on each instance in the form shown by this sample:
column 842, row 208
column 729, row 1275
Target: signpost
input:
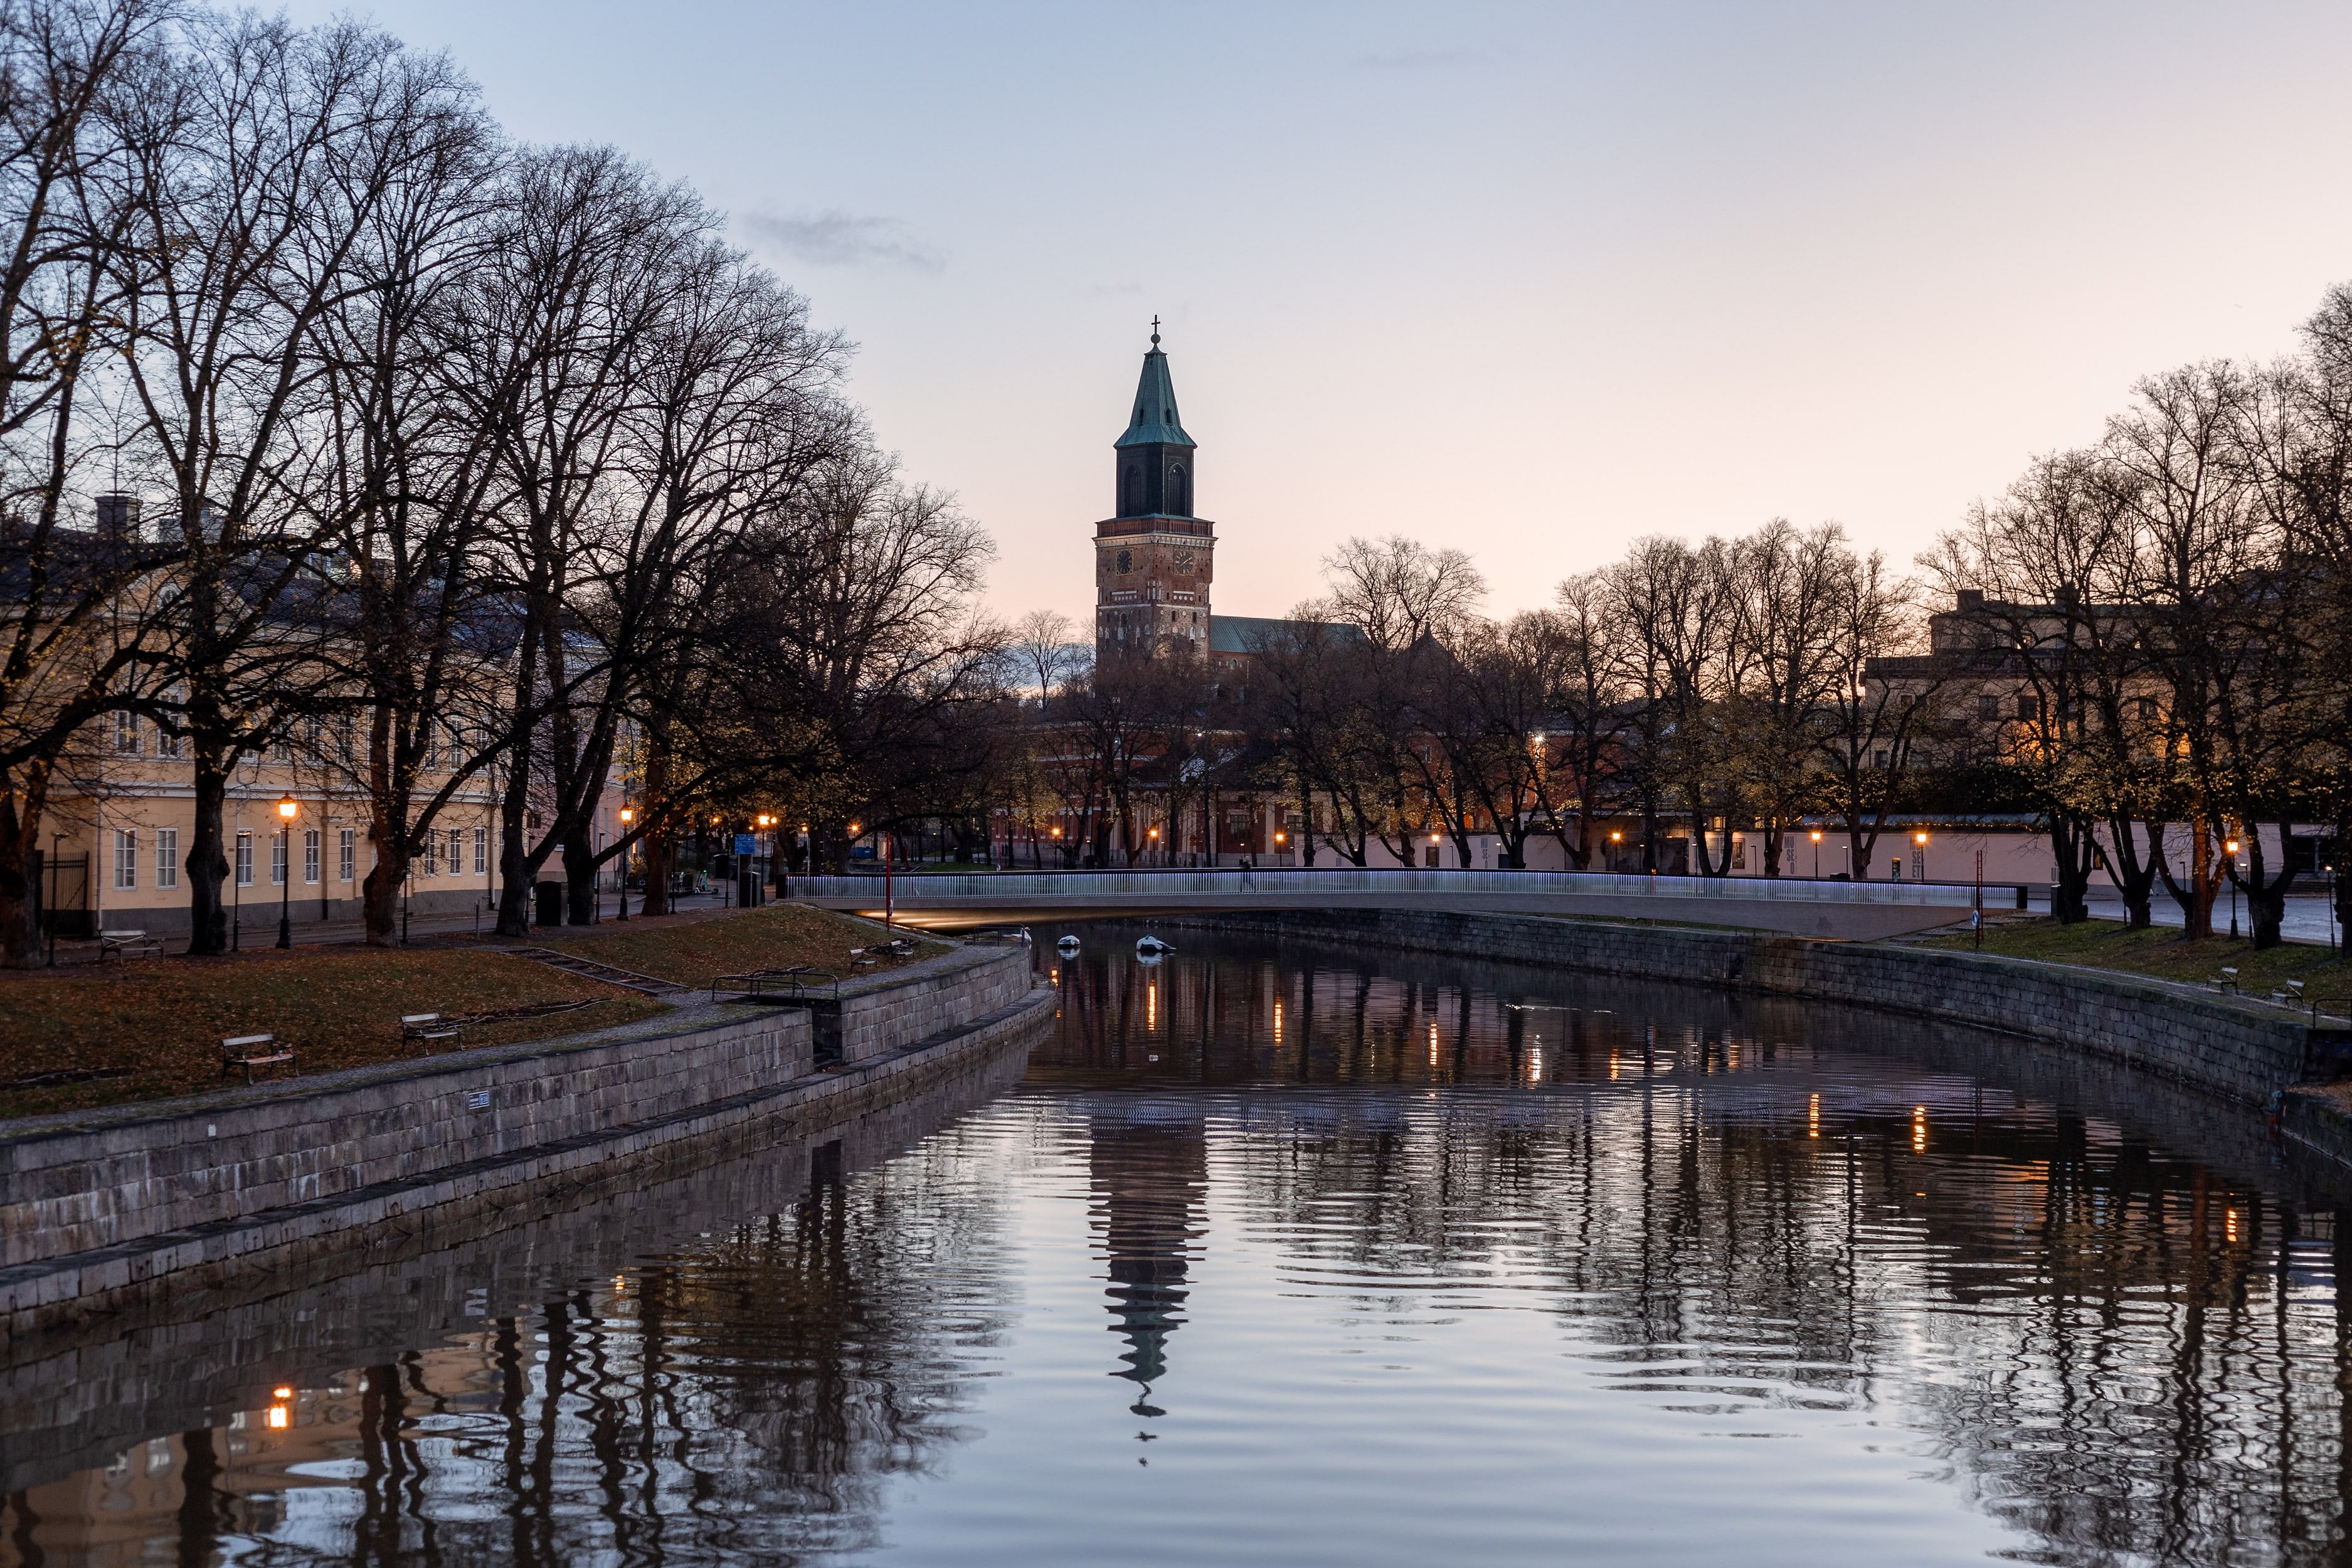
column 746, row 846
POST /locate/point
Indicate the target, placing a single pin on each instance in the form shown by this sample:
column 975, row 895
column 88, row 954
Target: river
column 1291, row 1255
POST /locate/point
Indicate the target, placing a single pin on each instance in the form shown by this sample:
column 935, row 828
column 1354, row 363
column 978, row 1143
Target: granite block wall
column 2239, row 1049
column 95, row 1205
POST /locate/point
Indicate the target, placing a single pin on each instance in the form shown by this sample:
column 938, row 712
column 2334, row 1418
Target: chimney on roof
column 118, row 516
column 1969, row 599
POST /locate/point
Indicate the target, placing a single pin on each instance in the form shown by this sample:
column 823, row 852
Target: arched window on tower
column 1180, row 502
column 1132, row 489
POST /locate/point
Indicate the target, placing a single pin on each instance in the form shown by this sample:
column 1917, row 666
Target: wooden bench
column 251, row 1051
column 2292, row 994
column 128, row 943
column 2225, row 981
column 419, row 1027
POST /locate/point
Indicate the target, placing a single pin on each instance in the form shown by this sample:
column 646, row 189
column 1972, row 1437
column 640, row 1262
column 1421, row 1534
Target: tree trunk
column 2071, row 844
column 380, row 892
column 579, row 878
column 208, row 865
column 20, row 839
column 517, row 870
column 660, row 851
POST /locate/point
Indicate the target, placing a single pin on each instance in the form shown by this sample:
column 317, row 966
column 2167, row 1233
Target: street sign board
column 743, row 844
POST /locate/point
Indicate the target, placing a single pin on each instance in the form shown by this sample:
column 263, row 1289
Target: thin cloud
column 837, row 238
column 1414, row 60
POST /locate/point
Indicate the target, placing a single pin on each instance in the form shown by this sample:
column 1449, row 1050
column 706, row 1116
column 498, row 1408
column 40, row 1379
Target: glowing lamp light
column 1817, row 835
column 1155, row 833
column 2231, row 846
column 1617, row 837
column 280, row 1418
column 1915, row 838
column 629, row 814
column 1282, row 838
column 853, row 827
column 282, row 1394
column 287, row 808
column 1057, row 833
column 1434, row 839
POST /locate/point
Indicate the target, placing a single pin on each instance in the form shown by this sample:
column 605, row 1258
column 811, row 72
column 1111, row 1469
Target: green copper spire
column 1153, row 422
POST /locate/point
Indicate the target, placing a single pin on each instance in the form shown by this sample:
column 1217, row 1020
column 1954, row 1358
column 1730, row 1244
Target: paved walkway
column 259, row 936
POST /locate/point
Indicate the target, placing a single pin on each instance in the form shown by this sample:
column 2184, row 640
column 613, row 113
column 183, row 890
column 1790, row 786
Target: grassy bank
column 154, row 1025
column 695, row 950
column 2167, row 955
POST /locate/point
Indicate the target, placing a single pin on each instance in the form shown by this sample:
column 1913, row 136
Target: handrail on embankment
column 1004, row 886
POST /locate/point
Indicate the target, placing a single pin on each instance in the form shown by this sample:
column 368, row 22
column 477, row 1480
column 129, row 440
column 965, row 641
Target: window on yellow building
column 126, row 734
column 245, row 859
column 126, row 858
column 167, row 858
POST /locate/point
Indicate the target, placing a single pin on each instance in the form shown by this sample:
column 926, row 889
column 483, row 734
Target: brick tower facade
column 1153, row 558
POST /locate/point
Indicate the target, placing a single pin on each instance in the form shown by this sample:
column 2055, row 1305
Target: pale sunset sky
column 1532, row 280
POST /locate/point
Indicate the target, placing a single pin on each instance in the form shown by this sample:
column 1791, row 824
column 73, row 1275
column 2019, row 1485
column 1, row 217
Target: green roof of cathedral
column 1154, row 423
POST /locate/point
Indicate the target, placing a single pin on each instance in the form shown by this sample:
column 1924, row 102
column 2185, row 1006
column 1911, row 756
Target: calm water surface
column 1295, row 1256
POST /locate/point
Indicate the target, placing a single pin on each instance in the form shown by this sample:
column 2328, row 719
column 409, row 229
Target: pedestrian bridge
column 1839, row 910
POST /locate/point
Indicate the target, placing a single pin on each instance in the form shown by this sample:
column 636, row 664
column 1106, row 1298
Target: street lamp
column 629, row 814
column 2231, row 845
column 287, row 812
column 1817, row 854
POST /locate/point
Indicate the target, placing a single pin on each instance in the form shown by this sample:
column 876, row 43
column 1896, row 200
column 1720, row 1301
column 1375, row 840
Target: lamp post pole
column 1817, row 854
column 57, row 839
column 287, row 812
column 629, row 814
column 2231, row 848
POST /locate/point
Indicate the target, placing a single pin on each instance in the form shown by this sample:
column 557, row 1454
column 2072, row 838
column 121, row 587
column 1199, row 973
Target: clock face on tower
column 1126, row 561
column 1183, row 561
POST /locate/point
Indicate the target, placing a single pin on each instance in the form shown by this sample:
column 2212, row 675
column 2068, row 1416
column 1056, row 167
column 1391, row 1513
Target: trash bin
column 550, row 903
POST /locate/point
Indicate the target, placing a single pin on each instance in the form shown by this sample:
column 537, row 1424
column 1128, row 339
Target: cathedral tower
column 1152, row 556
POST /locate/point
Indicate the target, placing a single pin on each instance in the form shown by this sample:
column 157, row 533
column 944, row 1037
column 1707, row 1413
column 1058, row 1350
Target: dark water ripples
column 1284, row 1256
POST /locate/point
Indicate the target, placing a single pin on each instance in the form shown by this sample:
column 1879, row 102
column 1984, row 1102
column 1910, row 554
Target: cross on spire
column 1155, row 330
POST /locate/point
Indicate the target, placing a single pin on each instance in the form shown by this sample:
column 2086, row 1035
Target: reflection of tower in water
column 1148, row 1172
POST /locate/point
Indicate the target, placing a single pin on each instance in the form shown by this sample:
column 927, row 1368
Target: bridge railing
column 998, row 887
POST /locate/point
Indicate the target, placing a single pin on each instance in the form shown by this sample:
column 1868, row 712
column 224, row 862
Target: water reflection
column 1399, row 1259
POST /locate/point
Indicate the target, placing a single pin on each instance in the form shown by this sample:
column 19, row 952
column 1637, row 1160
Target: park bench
column 251, row 1051
column 128, row 943
column 420, row 1027
column 2225, row 981
column 2292, row 994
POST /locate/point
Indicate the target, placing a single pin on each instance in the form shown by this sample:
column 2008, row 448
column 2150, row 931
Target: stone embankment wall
column 105, row 1210
column 876, row 1013
column 2241, row 1050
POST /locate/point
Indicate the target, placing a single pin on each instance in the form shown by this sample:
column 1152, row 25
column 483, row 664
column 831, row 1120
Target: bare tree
column 76, row 642
column 257, row 172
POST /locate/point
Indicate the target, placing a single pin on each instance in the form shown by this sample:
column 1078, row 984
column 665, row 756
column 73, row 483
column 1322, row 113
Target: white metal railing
column 998, row 887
